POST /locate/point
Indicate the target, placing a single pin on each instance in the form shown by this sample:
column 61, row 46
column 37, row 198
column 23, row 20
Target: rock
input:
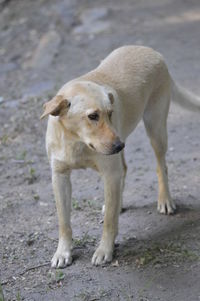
column 46, row 51
column 66, row 13
column 93, row 21
column 92, row 29
column 94, row 14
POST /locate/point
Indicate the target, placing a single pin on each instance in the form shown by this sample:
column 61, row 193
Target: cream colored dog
column 91, row 116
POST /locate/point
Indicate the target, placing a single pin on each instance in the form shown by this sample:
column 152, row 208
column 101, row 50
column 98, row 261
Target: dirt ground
column 43, row 44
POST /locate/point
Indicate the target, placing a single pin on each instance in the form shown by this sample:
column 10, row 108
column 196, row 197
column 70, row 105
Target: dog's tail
column 184, row 97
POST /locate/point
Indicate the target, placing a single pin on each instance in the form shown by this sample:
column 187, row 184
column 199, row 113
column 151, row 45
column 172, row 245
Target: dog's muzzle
column 117, row 147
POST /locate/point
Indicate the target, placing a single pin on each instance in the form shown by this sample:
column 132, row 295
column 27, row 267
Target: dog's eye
column 110, row 114
column 94, row 116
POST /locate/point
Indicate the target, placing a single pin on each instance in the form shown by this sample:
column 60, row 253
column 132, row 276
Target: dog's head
column 85, row 111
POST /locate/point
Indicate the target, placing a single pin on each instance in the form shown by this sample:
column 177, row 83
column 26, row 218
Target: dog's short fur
column 91, row 116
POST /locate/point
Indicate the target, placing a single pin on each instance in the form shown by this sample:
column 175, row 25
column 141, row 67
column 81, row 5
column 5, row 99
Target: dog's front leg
column 112, row 192
column 62, row 192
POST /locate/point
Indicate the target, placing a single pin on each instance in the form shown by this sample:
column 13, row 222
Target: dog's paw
column 61, row 259
column 102, row 255
column 166, row 207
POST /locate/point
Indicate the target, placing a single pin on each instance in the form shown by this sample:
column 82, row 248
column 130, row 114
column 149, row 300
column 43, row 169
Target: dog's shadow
column 170, row 238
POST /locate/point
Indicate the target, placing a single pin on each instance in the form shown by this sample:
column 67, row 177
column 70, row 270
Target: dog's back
column 134, row 72
column 130, row 66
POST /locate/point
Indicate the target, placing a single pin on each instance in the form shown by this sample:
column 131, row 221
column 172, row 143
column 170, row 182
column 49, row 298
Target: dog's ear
column 111, row 97
column 55, row 106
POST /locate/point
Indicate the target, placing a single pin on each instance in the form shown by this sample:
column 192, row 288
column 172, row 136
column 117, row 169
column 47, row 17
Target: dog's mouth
column 115, row 148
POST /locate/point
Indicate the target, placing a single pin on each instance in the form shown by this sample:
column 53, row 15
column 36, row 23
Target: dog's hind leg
column 155, row 120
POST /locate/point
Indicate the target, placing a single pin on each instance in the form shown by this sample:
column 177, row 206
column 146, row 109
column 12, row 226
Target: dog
column 89, row 120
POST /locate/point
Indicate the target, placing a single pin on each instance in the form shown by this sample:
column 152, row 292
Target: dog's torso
column 133, row 73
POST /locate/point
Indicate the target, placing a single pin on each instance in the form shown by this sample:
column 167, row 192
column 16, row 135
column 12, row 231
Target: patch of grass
column 146, row 258
column 129, row 252
column 4, row 139
column 75, row 205
column 166, row 253
column 92, row 204
column 82, row 242
column 59, row 275
column 177, row 250
column 86, row 203
column 22, row 156
column 32, row 172
column 1, row 294
column 18, row 297
column 32, row 175
column 56, row 277
column 93, row 296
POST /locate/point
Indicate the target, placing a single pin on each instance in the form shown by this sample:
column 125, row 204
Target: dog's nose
column 117, row 146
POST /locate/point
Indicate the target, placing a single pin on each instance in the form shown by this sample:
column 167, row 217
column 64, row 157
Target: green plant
column 18, row 297
column 76, row 205
column 32, row 175
column 1, row 294
column 59, row 275
column 81, row 243
column 4, row 139
column 22, row 156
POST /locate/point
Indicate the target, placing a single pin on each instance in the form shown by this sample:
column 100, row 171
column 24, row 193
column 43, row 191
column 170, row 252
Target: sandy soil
column 43, row 44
